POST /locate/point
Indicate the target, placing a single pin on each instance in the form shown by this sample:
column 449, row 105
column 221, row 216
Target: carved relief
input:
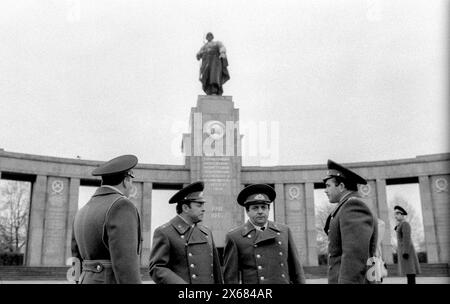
column 441, row 185
column 57, row 186
column 294, row 192
column 365, row 190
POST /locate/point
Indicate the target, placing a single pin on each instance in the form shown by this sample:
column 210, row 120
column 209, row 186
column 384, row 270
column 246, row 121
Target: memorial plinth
column 213, row 154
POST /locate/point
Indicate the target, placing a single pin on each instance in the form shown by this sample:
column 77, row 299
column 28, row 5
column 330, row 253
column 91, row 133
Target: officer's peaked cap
column 116, row 165
column 337, row 170
column 191, row 193
column 401, row 210
column 256, row 193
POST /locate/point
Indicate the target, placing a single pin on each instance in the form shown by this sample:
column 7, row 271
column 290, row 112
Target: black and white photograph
column 224, row 142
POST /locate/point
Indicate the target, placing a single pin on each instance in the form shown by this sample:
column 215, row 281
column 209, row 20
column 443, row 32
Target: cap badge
column 260, row 197
column 333, row 173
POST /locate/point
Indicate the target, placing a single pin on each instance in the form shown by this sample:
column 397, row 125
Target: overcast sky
column 347, row 80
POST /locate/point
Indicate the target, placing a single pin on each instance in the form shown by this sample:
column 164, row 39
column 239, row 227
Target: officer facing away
column 106, row 231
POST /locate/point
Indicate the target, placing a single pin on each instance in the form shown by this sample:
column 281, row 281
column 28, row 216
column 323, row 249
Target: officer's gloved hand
column 405, row 256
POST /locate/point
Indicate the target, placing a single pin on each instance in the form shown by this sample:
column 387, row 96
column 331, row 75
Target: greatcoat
column 408, row 265
column 184, row 254
column 107, row 238
column 213, row 71
column 262, row 257
column 352, row 234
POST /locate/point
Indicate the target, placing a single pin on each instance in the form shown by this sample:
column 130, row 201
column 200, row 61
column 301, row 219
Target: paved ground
column 391, row 280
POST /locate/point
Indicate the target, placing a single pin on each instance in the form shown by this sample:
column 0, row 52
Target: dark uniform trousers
column 106, row 238
column 352, row 234
column 182, row 254
column 261, row 257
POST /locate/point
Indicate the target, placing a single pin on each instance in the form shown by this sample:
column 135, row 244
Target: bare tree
column 14, row 210
column 322, row 212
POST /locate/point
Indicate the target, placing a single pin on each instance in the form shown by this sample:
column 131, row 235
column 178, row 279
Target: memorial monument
column 213, row 69
column 213, row 155
column 213, row 146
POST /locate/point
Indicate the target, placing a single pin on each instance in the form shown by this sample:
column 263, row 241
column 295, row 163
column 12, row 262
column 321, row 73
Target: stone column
column 370, row 196
column 296, row 217
column 74, row 186
column 279, row 204
column 146, row 219
column 55, row 227
column 383, row 213
column 440, row 200
column 311, row 233
column 428, row 219
column 37, row 218
column 136, row 196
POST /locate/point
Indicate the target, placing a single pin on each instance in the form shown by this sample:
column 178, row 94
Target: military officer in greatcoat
column 183, row 250
column 106, row 231
column 408, row 262
column 351, row 227
column 261, row 251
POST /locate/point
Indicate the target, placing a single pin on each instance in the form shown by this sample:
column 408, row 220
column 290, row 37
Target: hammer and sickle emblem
column 259, row 197
column 215, row 129
column 365, row 190
column 57, row 186
column 294, row 192
column 441, row 185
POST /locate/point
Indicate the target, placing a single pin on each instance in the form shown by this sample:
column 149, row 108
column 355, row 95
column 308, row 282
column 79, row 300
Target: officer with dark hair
column 351, row 227
column 261, row 251
column 106, row 231
column 183, row 250
column 408, row 262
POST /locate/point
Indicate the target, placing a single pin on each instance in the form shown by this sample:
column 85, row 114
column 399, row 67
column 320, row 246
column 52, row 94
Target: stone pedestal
column 213, row 154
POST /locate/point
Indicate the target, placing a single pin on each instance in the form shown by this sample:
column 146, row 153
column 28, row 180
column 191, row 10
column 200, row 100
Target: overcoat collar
column 198, row 233
column 180, row 225
column 248, row 227
column 105, row 191
column 342, row 201
column 399, row 225
column 270, row 232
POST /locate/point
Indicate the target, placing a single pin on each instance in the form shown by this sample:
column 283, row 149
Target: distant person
column 183, row 250
column 261, row 251
column 408, row 261
column 106, row 231
column 213, row 70
column 351, row 227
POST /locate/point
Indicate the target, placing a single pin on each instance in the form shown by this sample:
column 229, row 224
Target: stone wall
column 54, row 199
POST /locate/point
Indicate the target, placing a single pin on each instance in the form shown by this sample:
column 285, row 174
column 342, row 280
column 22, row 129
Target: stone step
column 12, row 273
column 427, row 270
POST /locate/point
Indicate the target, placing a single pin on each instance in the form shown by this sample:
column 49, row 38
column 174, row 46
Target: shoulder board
column 235, row 229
